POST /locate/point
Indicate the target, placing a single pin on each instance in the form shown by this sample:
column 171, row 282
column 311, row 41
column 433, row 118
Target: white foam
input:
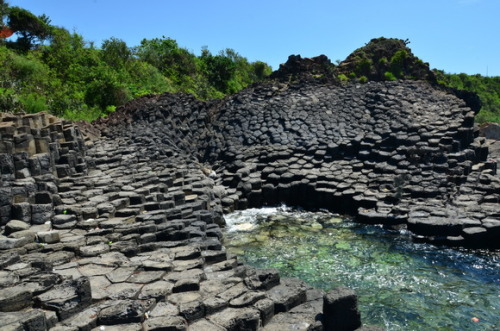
column 246, row 220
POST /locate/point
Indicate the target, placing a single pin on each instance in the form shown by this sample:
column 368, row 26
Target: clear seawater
column 401, row 285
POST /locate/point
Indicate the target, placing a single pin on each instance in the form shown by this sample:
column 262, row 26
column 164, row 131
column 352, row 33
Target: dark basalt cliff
column 120, row 225
column 401, row 153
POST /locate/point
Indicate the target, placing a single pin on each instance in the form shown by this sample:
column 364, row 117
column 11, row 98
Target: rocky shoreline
column 117, row 225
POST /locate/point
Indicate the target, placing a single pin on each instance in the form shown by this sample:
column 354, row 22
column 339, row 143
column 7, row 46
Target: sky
column 452, row 35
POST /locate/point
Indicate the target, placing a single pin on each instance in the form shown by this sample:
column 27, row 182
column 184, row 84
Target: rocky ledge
column 118, row 225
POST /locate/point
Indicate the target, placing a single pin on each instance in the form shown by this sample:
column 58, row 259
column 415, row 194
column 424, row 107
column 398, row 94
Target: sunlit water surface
column 401, row 285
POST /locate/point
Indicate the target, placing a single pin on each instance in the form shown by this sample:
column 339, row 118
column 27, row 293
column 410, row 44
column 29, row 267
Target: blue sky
column 452, row 35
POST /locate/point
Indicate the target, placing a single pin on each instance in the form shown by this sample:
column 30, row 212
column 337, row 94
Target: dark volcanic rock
column 68, row 298
column 340, row 310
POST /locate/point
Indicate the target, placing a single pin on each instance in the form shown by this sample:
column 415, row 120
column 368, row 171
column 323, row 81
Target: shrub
column 343, row 78
column 389, row 76
column 364, row 67
column 33, row 103
column 397, row 64
column 9, row 102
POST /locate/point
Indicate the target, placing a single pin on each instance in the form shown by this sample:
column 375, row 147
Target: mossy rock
column 385, row 59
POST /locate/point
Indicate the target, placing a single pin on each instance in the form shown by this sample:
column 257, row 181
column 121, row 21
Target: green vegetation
column 384, row 59
column 487, row 88
column 47, row 68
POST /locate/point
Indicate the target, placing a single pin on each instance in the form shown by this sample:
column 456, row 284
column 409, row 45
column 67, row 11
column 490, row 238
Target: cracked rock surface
column 119, row 225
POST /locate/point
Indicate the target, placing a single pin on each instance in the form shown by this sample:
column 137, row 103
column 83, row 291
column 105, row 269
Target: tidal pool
column 401, row 285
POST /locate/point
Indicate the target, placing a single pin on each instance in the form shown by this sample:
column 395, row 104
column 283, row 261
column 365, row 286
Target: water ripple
column 401, row 285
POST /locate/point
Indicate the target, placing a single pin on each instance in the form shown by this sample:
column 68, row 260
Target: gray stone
column 263, row 279
column 237, row 319
column 266, row 309
column 68, row 298
column 246, row 299
column 164, row 309
column 31, row 320
column 123, row 290
column 290, row 293
column 10, row 243
column 8, row 258
column 28, row 235
column 48, row 237
column 122, row 312
column 187, row 284
column 64, row 219
column 192, row 310
column 14, row 298
column 94, row 250
column 8, row 278
column 121, row 327
column 144, row 277
column 490, row 131
column 340, row 310
column 288, row 321
column 166, row 323
column 205, row 325
column 15, row 225
column 157, row 290
column 85, row 320
column 98, row 284
column 120, row 274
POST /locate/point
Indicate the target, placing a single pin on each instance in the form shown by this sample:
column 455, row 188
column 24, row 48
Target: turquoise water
column 401, row 285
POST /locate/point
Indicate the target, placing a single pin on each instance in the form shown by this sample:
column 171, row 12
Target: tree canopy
column 45, row 67
column 487, row 88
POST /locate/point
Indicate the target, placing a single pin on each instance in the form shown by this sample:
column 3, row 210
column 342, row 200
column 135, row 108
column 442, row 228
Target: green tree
column 166, row 55
column 29, row 27
column 4, row 10
column 219, row 69
column 487, row 88
column 71, row 78
column 115, row 52
column 260, row 70
column 65, row 51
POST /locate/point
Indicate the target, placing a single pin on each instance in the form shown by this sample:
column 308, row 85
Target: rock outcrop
column 124, row 229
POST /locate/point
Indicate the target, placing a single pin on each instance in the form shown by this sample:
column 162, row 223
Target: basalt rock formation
column 119, row 224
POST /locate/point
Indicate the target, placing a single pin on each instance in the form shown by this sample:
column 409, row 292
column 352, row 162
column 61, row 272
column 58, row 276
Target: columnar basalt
column 35, row 150
column 125, row 229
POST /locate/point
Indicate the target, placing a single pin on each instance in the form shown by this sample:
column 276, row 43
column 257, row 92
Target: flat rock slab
column 205, row 325
column 122, row 312
column 123, row 290
column 68, row 298
column 290, row 293
column 92, row 269
column 120, row 274
column 237, row 319
column 94, row 250
column 157, row 290
column 435, row 226
column 27, row 320
column 289, row 321
column 174, row 323
column 121, row 327
column 144, row 277
column 14, row 298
